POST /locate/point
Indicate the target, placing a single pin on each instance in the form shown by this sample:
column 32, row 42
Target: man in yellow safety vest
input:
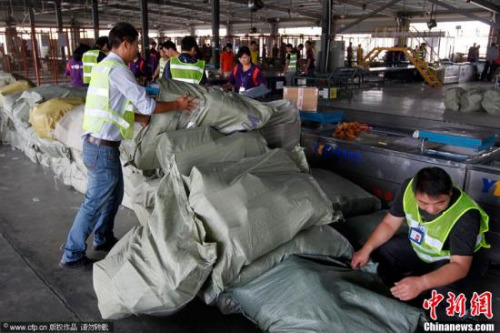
column 114, row 101
column 94, row 56
column 186, row 67
column 442, row 249
column 167, row 51
column 291, row 64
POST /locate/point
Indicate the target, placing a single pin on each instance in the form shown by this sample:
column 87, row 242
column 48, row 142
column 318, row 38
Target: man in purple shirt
column 245, row 75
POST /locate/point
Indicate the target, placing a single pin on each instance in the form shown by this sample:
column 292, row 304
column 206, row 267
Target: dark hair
column 289, row 45
column 187, row 43
column 253, row 42
column 79, row 51
column 433, row 181
column 229, row 45
column 309, row 42
column 121, row 32
column 244, row 50
column 169, row 45
column 101, row 41
column 301, row 45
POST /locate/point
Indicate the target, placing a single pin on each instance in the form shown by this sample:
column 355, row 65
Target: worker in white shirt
column 114, row 101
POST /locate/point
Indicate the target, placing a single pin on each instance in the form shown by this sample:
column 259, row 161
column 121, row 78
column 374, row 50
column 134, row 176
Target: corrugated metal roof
column 169, row 14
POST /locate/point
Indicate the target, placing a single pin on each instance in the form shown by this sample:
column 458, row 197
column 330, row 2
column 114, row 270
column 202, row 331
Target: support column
column 95, row 19
column 34, row 47
column 145, row 31
column 274, row 39
column 10, row 39
column 60, row 27
column 403, row 28
column 75, row 33
column 494, row 35
column 229, row 35
column 215, row 33
column 192, row 30
column 326, row 20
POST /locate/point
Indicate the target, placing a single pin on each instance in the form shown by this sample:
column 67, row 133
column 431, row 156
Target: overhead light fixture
column 10, row 21
column 431, row 24
column 432, row 20
column 255, row 5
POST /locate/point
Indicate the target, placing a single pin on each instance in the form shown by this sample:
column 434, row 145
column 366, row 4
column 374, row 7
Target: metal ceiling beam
column 364, row 17
column 360, row 5
column 137, row 9
column 486, row 5
column 189, row 7
column 465, row 13
column 281, row 9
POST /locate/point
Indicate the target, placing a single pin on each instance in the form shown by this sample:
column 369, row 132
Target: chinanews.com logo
column 456, row 317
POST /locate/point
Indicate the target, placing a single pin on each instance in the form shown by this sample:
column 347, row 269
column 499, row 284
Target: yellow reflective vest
column 97, row 110
column 89, row 60
column 185, row 72
column 427, row 239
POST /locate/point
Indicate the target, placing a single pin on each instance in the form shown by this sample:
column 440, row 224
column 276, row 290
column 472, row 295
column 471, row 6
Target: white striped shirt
column 123, row 87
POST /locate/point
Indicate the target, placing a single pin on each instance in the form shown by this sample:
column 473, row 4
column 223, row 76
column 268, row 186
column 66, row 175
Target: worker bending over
column 113, row 98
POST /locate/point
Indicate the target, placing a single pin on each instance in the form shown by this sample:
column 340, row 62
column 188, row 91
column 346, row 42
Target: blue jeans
column 102, row 200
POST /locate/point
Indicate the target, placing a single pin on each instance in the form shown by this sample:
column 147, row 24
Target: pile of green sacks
column 241, row 225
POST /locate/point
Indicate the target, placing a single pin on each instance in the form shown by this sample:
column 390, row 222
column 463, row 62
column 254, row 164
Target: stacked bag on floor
column 223, row 215
column 19, row 132
column 491, row 101
column 228, row 210
column 474, row 99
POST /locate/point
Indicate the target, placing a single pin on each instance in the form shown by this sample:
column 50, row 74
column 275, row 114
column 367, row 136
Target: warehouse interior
column 245, row 213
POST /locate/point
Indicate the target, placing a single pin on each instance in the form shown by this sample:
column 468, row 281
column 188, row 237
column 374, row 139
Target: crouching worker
column 442, row 250
column 113, row 98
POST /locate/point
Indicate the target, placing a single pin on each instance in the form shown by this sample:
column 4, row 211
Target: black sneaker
column 83, row 263
column 107, row 246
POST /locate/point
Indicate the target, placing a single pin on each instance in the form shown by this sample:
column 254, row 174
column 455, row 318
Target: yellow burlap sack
column 14, row 87
column 45, row 116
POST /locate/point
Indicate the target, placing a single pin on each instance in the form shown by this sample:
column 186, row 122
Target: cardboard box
column 328, row 93
column 305, row 97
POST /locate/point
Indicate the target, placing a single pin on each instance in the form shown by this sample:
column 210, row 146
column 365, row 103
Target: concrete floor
column 416, row 106
column 36, row 212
